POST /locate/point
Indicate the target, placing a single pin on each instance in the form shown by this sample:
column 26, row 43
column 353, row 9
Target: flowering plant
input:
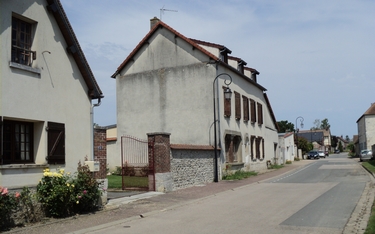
column 8, row 203
column 62, row 195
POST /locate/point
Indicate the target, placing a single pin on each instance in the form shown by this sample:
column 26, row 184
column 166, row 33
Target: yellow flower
column 73, row 185
column 67, row 184
column 77, row 202
column 62, row 171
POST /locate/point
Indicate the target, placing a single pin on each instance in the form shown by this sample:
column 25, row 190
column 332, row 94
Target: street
column 319, row 197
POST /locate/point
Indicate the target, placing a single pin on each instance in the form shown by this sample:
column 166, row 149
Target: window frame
column 18, row 146
column 227, row 105
column 21, row 41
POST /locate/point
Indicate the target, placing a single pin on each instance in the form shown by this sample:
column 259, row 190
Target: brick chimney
column 153, row 21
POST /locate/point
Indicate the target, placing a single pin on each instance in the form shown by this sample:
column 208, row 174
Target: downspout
column 218, row 118
column 92, row 127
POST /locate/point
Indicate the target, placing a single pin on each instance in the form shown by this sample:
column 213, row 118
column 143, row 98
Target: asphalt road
column 325, row 196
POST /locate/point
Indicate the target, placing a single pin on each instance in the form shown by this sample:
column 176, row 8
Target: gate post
column 159, row 151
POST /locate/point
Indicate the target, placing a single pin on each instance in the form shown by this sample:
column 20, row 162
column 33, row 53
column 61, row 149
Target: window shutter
column 245, row 102
column 260, row 113
column 237, row 105
column 1, row 140
column 262, row 147
column 253, row 111
column 56, row 143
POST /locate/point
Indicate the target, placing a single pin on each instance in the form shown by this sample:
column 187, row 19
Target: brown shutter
column 56, row 143
column 262, row 147
column 237, row 105
column 253, row 111
column 1, row 140
column 245, row 102
column 260, row 114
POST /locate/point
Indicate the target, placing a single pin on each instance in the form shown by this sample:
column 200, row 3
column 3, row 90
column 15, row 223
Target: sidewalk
column 139, row 205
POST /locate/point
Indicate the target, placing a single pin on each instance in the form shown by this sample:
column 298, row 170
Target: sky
column 316, row 58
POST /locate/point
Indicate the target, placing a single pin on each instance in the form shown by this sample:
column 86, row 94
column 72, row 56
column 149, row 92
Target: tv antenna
column 163, row 9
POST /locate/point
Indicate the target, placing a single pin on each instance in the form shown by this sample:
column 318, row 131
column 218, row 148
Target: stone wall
column 100, row 152
column 191, row 167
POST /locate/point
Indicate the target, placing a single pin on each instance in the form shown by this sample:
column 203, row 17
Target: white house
column 286, row 147
column 168, row 83
column 46, row 93
column 366, row 129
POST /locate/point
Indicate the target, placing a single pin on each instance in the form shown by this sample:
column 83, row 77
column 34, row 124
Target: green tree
column 347, row 138
column 317, row 125
column 334, row 141
column 340, row 147
column 351, row 147
column 324, row 124
column 303, row 144
column 285, row 126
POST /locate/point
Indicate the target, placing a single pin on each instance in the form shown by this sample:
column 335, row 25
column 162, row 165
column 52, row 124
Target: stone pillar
column 160, row 178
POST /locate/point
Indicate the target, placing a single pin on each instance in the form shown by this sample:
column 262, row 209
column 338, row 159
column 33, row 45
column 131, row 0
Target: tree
column 285, row 126
column 347, row 138
column 340, row 147
column 324, row 124
column 317, row 125
column 303, row 144
column 334, row 141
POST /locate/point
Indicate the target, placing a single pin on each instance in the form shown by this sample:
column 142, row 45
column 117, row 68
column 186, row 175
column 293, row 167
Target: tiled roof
column 369, row 111
column 55, row 7
column 192, row 147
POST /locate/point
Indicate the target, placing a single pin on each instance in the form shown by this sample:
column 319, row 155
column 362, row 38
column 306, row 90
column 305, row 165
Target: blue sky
column 316, row 58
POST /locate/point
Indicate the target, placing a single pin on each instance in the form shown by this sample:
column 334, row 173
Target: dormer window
column 224, row 54
column 21, row 42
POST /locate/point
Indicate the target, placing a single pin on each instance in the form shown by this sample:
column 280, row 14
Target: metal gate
column 137, row 172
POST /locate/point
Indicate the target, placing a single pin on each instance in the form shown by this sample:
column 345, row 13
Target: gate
column 137, row 172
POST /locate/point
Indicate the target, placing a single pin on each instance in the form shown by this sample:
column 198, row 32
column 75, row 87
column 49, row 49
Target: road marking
column 281, row 178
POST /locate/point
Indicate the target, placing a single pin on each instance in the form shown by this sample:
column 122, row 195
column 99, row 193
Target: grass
column 239, row 175
column 115, row 181
column 370, row 165
column 275, row 166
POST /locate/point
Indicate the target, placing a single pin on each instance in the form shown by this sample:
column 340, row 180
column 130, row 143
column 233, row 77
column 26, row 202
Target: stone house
column 46, row 93
column 366, row 129
column 169, row 83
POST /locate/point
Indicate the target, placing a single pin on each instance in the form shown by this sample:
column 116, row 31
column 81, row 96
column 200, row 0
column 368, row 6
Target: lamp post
column 228, row 95
column 296, row 130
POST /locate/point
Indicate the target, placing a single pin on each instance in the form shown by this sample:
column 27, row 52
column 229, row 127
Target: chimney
column 153, row 21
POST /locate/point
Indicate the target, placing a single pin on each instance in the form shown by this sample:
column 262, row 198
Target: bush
column 288, row 162
column 62, row 195
column 8, row 204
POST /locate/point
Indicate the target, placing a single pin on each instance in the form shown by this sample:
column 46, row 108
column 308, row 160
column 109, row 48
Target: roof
column 369, row 111
column 192, row 42
column 311, row 135
column 271, row 111
column 55, row 7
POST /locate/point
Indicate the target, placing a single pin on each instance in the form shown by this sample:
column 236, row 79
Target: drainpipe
column 92, row 128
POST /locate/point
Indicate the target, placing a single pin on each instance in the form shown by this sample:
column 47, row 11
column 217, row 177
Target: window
column 260, row 113
column 245, row 102
column 227, row 105
column 21, row 42
column 56, row 143
column 237, row 97
column 232, row 144
column 17, row 142
column 253, row 111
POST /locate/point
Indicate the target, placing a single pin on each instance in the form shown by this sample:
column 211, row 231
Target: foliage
column 347, row 138
column 239, row 175
column 369, row 165
column 8, row 204
column 324, row 124
column 62, row 195
column 275, row 166
column 288, row 162
column 296, row 159
column 334, row 141
column 285, row 126
column 370, row 229
column 303, row 144
column 29, row 209
column 351, row 147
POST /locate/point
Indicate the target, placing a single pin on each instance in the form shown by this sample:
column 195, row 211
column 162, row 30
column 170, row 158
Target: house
column 320, row 138
column 173, row 84
column 366, row 129
column 47, row 89
column 286, row 147
column 342, row 141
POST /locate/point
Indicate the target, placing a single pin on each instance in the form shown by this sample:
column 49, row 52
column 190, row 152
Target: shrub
column 8, row 204
column 288, row 162
column 30, row 210
column 62, row 195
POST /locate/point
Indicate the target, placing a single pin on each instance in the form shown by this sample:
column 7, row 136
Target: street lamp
column 227, row 95
column 296, row 130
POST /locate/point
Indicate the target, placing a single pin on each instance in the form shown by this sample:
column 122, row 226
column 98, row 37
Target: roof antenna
column 163, row 9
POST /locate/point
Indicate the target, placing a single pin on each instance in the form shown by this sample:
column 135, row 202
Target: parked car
column 321, row 154
column 313, row 154
column 337, row 151
column 365, row 155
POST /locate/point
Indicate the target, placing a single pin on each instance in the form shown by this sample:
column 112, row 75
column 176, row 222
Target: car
column 365, row 155
column 321, row 154
column 337, row 151
column 313, row 154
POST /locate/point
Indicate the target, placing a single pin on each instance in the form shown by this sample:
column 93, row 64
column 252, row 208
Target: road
column 317, row 198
